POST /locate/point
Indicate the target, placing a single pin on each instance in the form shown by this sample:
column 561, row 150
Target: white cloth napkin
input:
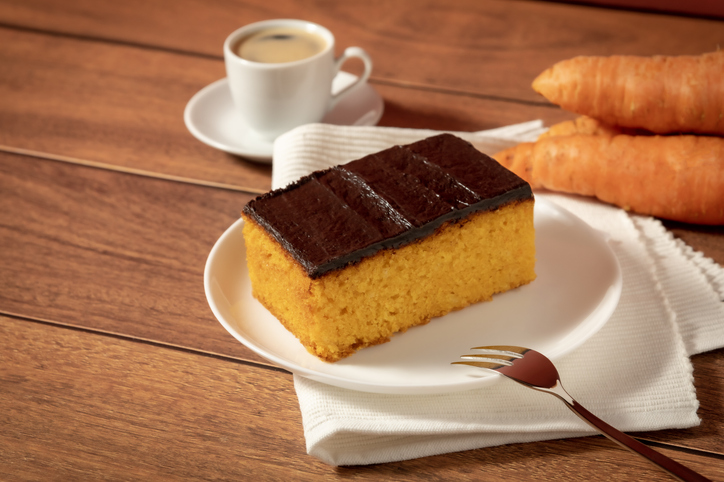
column 635, row 373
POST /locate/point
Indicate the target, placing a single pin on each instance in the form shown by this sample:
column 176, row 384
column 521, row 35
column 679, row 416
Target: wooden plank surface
column 133, row 117
column 111, row 104
column 84, row 407
column 112, row 252
column 121, row 118
column 696, row 8
column 124, row 254
column 494, row 47
column 102, row 313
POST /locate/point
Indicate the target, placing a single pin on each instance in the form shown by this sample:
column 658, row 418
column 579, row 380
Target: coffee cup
column 280, row 74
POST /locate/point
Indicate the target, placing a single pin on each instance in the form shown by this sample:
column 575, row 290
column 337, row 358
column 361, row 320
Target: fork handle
column 662, row 461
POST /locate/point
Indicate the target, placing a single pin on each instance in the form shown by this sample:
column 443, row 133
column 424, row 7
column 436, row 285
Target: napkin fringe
column 709, row 268
column 694, row 294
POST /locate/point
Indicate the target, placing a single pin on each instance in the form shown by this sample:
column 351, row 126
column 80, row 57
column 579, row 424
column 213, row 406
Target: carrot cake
column 348, row 256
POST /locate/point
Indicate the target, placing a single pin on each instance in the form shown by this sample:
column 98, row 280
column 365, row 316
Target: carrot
column 672, row 177
column 582, row 125
column 683, row 94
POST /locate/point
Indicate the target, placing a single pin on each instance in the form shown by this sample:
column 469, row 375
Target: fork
column 534, row 370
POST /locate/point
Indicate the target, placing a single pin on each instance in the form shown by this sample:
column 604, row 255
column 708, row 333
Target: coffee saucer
column 211, row 118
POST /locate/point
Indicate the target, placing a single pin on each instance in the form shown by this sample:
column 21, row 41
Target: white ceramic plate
column 211, row 118
column 577, row 289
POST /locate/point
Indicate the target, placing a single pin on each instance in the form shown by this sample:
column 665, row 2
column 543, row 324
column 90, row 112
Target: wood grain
column 492, row 47
column 115, row 105
column 453, row 111
column 55, row 98
column 698, row 8
column 112, row 366
column 125, row 254
column 82, row 406
column 112, row 252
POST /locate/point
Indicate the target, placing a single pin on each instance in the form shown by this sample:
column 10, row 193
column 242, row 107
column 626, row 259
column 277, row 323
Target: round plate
column 210, row 116
column 577, row 289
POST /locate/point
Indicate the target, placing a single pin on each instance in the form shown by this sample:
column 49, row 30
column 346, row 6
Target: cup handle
column 349, row 53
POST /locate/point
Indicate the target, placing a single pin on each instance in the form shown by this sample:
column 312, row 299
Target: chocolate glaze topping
column 338, row 216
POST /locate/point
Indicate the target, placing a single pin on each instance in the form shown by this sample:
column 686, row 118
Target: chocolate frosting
column 338, row 216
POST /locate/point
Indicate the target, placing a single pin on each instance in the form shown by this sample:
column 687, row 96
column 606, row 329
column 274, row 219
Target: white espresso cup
column 275, row 96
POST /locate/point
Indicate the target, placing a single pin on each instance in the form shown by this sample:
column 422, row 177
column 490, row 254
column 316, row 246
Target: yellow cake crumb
column 364, row 304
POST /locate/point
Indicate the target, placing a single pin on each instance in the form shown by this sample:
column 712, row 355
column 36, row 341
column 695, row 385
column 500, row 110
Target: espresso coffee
column 279, row 45
column 271, row 97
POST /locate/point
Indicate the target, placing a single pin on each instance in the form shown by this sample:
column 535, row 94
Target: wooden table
column 112, row 365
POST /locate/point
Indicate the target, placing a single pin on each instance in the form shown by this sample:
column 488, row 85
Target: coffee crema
column 279, row 44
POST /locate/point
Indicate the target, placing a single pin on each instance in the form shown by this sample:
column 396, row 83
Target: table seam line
column 95, row 331
column 372, row 80
column 138, row 339
column 127, row 170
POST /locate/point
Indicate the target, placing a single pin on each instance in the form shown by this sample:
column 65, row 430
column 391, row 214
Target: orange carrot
column 672, row 177
column 660, row 94
column 585, row 125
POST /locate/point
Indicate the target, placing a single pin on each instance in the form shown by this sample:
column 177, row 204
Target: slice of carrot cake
column 346, row 257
